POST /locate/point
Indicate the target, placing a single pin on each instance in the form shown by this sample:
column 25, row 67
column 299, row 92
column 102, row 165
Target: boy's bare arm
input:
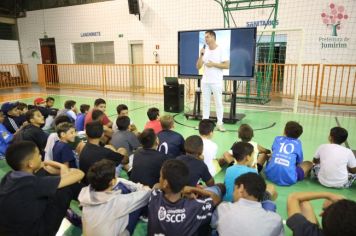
column 68, row 176
column 202, row 192
column 295, row 199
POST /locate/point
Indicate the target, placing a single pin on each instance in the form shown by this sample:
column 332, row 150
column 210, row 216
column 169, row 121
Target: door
column 49, row 56
column 136, row 61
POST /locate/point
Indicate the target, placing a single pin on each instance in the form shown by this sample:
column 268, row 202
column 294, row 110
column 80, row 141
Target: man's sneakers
column 220, row 128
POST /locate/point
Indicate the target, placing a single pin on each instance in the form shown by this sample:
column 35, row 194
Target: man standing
column 214, row 60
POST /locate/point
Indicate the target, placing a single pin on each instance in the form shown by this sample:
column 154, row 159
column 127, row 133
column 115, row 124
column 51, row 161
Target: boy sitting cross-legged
column 335, row 164
column 31, row 202
column 286, row 165
column 107, row 208
column 169, row 213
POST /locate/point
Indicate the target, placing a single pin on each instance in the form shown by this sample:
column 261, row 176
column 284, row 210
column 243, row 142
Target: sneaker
column 220, row 128
column 74, row 218
column 196, row 127
column 144, row 219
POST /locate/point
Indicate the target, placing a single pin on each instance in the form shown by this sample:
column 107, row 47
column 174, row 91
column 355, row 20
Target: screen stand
column 229, row 118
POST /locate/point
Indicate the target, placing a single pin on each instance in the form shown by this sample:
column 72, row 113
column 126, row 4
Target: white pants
column 216, row 89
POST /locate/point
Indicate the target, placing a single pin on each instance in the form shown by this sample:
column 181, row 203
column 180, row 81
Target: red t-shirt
column 89, row 118
column 155, row 125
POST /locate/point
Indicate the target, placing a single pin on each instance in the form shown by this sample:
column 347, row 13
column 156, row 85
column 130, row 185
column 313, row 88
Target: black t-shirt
column 13, row 123
column 36, row 135
column 171, row 143
column 93, row 153
column 183, row 217
column 302, row 227
column 197, row 169
column 146, row 166
column 23, row 201
column 63, row 152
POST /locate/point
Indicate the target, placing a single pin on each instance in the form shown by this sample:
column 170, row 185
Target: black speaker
column 173, row 98
column 134, row 7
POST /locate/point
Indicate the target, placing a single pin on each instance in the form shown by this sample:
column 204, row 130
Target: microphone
column 204, row 46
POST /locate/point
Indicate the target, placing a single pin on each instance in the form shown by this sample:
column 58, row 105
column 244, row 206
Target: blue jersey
column 79, row 122
column 5, row 139
column 286, row 155
column 232, row 173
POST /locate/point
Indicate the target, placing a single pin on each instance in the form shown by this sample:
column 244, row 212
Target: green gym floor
column 267, row 125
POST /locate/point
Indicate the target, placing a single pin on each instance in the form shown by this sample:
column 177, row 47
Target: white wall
column 163, row 19
column 9, row 52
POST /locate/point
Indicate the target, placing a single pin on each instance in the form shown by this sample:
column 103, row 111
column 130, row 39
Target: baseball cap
column 8, row 106
column 39, row 101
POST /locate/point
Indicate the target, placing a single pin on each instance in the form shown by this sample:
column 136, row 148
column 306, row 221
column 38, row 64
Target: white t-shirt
column 334, row 160
column 209, row 152
column 52, row 139
column 214, row 75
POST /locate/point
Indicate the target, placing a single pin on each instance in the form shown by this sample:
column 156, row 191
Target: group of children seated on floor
column 170, row 180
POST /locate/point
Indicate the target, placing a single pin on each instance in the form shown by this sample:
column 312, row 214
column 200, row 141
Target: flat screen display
column 239, row 45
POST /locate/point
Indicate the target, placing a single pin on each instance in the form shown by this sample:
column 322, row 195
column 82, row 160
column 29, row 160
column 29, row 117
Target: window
column 94, row 53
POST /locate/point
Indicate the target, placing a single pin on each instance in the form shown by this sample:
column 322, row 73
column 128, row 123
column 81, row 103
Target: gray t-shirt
column 125, row 139
column 246, row 217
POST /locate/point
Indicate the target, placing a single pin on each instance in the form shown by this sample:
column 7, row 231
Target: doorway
column 136, row 68
column 49, row 56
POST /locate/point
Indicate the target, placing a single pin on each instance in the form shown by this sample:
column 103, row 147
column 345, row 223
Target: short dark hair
column 100, row 174
column 153, row 113
column 30, row 114
column 123, row 122
column 49, row 99
column 241, row 149
column 94, row 129
column 338, row 135
column 18, row 152
column 167, row 122
column 245, row 132
column 253, row 183
column 194, row 145
column 206, row 126
column 99, row 101
column 176, row 173
column 293, row 129
column 121, row 107
column 96, row 114
column 339, row 218
column 147, row 138
column 212, row 33
column 69, row 104
column 63, row 128
column 22, row 106
column 84, row 108
column 61, row 119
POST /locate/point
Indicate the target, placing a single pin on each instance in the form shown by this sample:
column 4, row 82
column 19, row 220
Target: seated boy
column 99, row 104
column 123, row 137
column 206, row 130
column 194, row 160
column 286, row 165
column 338, row 216
column 22, row 107
column 106, row 208
column 246, row 215
column 32, row 203
column 153, row 123
column 123, row 110
column 33, row 132
column 13, row 119
column 53, row 137
column 147, row 161
column 260, row 155
column 170, row 142
column 243, row 154
column 5, row 137
column 70, row 110
column 62, row 151
column 171, row 214
column 335, row 164
column 79, row 122
column 93, row 152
